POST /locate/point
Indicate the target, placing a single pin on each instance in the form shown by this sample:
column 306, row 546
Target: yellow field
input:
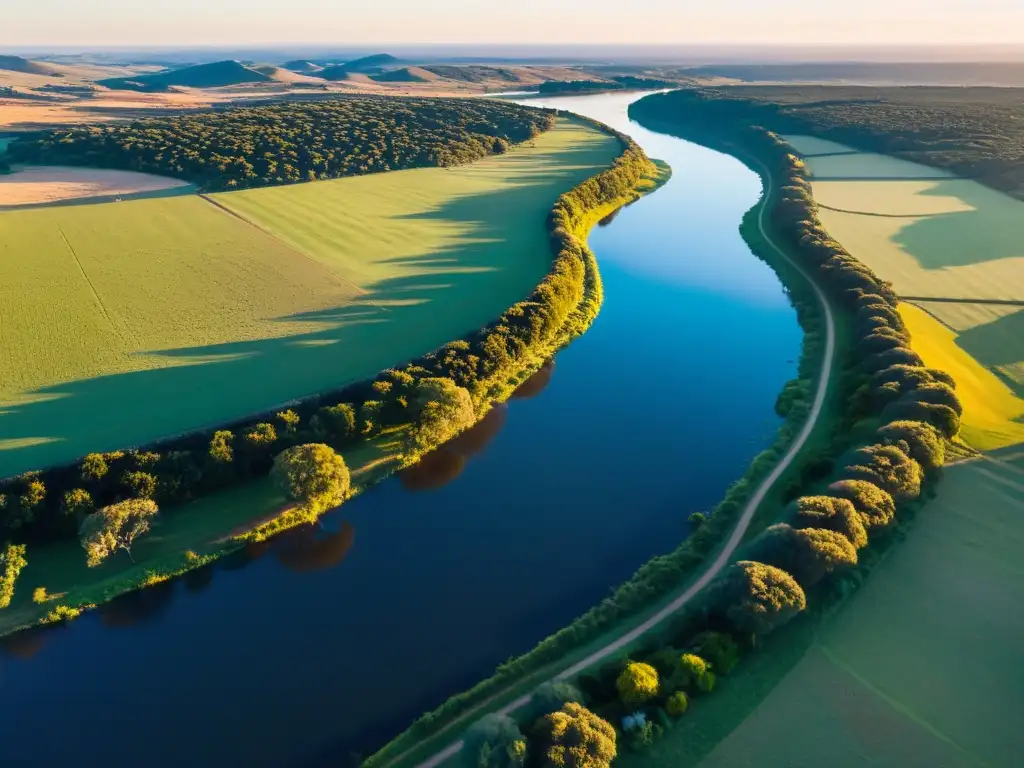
column 125, row 322
column 993, row 412
column 938, row 237
column 921, row 667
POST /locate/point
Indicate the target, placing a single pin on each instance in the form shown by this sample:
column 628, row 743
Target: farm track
column 738, row 532
column 88, row 280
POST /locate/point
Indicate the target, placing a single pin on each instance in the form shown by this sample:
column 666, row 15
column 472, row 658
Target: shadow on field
column 999, row 343
column 443, row 295
column 992, row 230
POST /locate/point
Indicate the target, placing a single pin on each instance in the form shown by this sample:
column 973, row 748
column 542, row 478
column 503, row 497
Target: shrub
column 94, row 468
column 574, row 737
column 12, row 560
column 39, row 595
column 141, row 485
column 313, row 475
column 77, row 503
column 831, row 513
column 289, row 421
column 758, row 598
column 637, row 683
column 552, row 696
column 678, row 704
column 696, row 672
column 808, row 554
column 261, row 435
column 221, row 450
column 921, row 441
column 335, row 423
column 494, row 741
column 720, row 649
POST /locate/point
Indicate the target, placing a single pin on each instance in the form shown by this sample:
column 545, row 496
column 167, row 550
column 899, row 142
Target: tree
column 758, row 598
column 335, row 422
column 677, row 704
column 94, row 468
column 576, row 738
column 313, row 475
column 637, row 683
column 494, row 741
column 552, row 696
column 289, row 421
column 221, row 450
column 695, row 671
column 140, row 485
column 115, row 527
column 12, row 560
column 889, row 468
column 831, row 513
column 921, row 441
column 809, row 554
column 261, row 434
column 77, row 503
column 720, row 649
column 442, row 409
column 875, row 506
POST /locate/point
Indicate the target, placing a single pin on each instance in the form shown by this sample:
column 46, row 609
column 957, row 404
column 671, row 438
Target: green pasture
column 917, row 668
column 132, row 321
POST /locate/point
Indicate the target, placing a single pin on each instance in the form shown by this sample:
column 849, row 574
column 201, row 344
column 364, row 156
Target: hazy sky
column 206, row 22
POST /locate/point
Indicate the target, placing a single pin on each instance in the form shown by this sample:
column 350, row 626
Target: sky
column 363, row 22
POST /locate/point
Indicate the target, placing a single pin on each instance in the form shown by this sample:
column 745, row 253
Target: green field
column 132, row 321
column 954, row 248
column 920, row 668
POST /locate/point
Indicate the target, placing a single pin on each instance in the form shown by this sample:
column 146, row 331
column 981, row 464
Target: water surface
column 329, row 642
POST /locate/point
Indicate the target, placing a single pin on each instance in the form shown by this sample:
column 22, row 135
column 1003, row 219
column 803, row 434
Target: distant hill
column 474, row 74
column 368, row 65
column 302, row 67
column 216, row 75
column 18, row 64
column 405, row 75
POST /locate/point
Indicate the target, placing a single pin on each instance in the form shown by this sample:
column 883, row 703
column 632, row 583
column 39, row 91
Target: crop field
column 126, row 322
column 919, row 667
column 41, row 185
column 954, row 248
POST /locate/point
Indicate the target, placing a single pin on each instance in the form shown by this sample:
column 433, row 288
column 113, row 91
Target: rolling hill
column 302, row 67
column 405, row 75
column 368, row 65
column 18, row 64
column 215, row 75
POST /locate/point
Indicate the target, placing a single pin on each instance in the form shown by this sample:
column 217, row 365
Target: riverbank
column 196, row 536
column 667, row 583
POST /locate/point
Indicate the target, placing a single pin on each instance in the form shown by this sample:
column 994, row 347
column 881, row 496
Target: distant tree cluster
column 288, row 143
column 620, row 83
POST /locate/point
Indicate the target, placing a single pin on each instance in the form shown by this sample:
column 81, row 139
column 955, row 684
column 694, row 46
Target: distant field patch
column 812, row 145
column 905, row 198
column 993, row 406
column 920, row 667
column 39, row 185
column 126, row 322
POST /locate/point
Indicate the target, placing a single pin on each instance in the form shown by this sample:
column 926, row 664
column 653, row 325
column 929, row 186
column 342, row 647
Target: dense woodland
column 294, row 142
column 620, row 83
column 974, row 132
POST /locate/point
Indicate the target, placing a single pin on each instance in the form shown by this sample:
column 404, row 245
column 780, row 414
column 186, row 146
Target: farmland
column 127, row 322
column 915, row 670
column 952, row 247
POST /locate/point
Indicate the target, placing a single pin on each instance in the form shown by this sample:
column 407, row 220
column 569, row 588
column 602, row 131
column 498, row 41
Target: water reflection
column 609, row 218
column 443, row 465
column 139, row 607
column 537, row 383
column 24, row 645
column 310, row 548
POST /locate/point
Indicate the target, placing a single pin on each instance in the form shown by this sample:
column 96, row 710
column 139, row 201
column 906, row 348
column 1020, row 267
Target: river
column 330, row 641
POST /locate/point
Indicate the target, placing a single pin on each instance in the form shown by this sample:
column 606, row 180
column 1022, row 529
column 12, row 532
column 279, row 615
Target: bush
column 115, row 527
column 678, row 704
column 12, row 560
column 335, row 423
column 140, row 485
column 876, row 507
column 94, row 468
column 889, row 468
column 494, row 741
column 637, row 683
column 720, row 649
column 261, row 435
column 758, row 598
column 920, row 441
column 553, row 696
column 39, row 595
column 696, row 672
column 221, row 447
column 574, row 737
column 77, row 503
column 313, row 475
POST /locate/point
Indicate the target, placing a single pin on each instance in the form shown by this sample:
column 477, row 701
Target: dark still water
column 330, row 641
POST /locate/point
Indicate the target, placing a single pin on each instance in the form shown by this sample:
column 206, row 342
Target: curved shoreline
column 154, row 571
column 725, row 551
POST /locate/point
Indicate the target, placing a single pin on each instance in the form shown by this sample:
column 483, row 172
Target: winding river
column 330, row 641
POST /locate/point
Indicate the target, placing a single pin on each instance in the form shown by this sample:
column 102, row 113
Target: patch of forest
column 974, row 132
column 294, row 142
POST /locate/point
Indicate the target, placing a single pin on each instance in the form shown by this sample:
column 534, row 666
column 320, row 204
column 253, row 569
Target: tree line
column 897, row 416
column 239, row 148
column 427, row 401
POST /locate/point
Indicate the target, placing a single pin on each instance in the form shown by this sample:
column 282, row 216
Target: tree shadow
column 443, row 296
column 999, row 343
column 992, row 230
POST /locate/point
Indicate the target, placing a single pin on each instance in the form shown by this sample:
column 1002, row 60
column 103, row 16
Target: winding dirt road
column 725, row 556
